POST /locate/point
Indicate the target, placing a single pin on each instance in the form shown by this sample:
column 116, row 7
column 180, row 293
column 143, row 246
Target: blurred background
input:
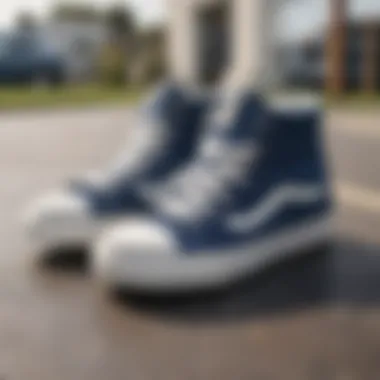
column 85, row 51
column 78, row 51
column 71, row 74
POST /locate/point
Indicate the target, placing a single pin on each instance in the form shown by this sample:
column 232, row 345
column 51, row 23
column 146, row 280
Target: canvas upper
column 257, row 170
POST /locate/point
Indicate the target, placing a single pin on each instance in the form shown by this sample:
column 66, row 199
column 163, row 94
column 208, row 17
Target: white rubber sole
column 175, row 272
column 65, row 237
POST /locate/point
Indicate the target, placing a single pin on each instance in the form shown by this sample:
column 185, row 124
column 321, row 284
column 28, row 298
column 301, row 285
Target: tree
column 121, row 25
column 150, row 61
column 119, row 54
column 77, row 12
column 26, row 22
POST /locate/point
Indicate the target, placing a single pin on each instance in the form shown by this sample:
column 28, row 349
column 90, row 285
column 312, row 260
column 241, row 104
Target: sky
column 300, row 18
column 148, row 11
column 307, row 16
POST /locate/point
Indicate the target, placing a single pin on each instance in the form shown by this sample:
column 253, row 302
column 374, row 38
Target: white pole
column 254, row 41
column 182, row 44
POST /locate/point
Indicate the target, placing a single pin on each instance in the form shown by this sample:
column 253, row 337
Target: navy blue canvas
column 181, row 115
column 290, row 153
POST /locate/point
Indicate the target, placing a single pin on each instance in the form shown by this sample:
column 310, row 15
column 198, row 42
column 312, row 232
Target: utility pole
column 254, row 43
column 336, row 57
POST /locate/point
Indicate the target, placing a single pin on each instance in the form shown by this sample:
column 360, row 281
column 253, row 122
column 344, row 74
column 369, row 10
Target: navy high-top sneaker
column 163, row 141
column 256, row 192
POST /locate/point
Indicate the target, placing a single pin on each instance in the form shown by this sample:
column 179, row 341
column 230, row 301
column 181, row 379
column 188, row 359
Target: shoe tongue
column 239, row 115
column 239, row 120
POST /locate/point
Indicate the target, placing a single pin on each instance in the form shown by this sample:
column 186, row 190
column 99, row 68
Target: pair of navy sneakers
column 217, row 189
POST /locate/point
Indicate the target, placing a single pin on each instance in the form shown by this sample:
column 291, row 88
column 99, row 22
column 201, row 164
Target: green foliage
column 26, row 22
column 130, row 53
column 121, row 23
column 119, row 51
column 112, row 66
column 12, row 98
column 77, row 12
column 150, row 62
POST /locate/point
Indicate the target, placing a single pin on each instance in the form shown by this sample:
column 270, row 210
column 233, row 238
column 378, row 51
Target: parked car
column 25, row 59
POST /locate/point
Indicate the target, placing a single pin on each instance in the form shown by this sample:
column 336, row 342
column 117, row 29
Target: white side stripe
column 275, row 202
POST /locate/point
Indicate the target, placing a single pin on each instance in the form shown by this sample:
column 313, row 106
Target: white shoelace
column 202, row 186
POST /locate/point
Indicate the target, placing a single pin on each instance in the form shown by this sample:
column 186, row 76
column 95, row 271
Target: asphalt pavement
column 315, row 317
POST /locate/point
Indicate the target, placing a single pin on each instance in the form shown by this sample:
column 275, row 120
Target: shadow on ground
column 65, row 260
column 347, row 274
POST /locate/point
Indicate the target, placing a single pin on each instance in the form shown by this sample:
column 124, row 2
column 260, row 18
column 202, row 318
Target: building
column 307, row 66
column 344, row 56
column 79, row 42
